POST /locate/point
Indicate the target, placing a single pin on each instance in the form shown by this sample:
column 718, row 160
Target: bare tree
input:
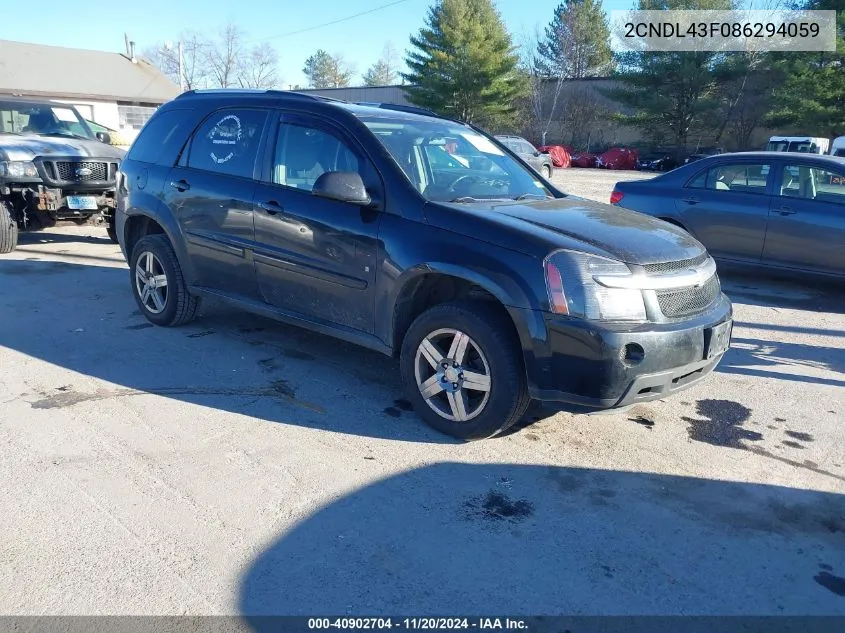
column 385, row 72
column 225, row 57
column 194, row 70
column 544, row 92
column 259, row 68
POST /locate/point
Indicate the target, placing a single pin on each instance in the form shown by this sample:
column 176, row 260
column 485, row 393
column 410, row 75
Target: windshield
column 447, row 162
column 43, row 119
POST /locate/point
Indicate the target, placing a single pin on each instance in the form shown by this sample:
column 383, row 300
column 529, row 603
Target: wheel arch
column 424, row 286
column 140, row 222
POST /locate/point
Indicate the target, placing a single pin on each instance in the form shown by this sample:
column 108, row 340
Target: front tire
column 111, row 228
column 547, row 172
column 8, row 230
column 158, row 284
column 462, row 370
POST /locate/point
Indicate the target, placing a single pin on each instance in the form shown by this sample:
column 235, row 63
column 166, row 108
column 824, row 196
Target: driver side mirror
column 343, row 186
column 104, row 137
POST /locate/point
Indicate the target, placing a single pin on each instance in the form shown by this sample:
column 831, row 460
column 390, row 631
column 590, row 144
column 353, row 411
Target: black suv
column 52, row 167
column 490, row 285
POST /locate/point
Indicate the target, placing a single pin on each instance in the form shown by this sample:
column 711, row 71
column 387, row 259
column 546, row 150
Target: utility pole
column 181, row 73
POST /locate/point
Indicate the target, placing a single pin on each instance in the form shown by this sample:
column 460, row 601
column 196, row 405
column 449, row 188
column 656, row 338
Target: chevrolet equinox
column 423, row 238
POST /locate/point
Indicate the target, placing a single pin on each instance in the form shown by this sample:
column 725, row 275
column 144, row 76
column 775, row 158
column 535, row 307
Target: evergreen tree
column 383, row 72
column 671, row 95
column 464, row 64
column 812, row 97
column 326, row 71
column 576, row 43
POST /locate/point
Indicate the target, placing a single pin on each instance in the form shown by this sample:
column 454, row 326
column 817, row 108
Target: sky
column 84, row 24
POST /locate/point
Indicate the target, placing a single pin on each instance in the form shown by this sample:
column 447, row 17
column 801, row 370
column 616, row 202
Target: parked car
column 837, row 148
column 703, row 153
column 541, row 162
column 801, row 144
column 52, row 167
column 772, row 209
column 491, row 286
column 656, row 162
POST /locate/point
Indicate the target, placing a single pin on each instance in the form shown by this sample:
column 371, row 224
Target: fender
column 152, row 207
column 504, row 288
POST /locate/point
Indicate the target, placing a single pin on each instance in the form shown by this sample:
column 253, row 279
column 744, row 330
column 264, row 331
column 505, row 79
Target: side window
column 526, row 148
column 303, row 154
column 699, row 181
column 227, row 142
column 742, row 178
column 158, row 136
column 810, row 183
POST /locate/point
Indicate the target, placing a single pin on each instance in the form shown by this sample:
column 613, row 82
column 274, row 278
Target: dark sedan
column 771, row 209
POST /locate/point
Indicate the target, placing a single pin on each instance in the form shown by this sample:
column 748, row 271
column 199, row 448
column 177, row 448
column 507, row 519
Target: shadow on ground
column 504, row 538
column 82, row 316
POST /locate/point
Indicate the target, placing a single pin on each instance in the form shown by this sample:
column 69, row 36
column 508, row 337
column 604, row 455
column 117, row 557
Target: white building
column 113, row 89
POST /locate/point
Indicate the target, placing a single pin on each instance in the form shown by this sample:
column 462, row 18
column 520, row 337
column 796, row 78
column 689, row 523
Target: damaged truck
column 52, row 168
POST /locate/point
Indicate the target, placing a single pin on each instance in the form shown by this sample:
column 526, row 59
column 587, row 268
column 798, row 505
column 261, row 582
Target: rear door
column 211, row 193
column 807, row 218
column 726, row 207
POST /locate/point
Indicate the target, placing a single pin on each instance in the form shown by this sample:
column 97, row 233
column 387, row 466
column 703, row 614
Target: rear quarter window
column 161, row 137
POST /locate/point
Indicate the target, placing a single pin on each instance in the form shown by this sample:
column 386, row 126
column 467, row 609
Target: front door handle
column 691, row 200
column 182, row 185
column 271, row 207
column 786, row 211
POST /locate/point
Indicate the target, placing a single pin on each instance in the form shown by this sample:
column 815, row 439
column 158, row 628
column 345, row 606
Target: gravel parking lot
column 239, row 466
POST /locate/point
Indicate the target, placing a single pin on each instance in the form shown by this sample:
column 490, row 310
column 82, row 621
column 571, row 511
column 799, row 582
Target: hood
column 29, row 147
column 593, row 227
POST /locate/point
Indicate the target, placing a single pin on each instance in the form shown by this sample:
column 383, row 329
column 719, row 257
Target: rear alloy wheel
column 158, row 284
column 463, row 371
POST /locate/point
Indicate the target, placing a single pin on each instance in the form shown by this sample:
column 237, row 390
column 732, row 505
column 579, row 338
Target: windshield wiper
column 535, row 196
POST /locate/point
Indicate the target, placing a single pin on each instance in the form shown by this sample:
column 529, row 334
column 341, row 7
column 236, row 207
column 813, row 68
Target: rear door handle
column 182, row 185
column 691, row 200
column 271, row 207
column 786, row 211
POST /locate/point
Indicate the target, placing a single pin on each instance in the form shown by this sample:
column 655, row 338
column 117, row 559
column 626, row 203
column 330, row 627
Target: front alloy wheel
column 151, row 282
column 462, row 369
column 455, row 384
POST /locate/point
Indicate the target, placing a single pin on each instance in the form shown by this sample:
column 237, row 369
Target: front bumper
column 607, row 365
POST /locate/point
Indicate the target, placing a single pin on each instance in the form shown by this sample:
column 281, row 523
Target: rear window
column 159, row 137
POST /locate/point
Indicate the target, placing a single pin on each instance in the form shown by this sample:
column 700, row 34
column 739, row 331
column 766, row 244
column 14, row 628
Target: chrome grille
column 668, row 267
column 687, row 301
column 82, row 172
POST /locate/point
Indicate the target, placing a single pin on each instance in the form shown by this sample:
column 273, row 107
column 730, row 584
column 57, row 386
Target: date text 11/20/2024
column 427, row 624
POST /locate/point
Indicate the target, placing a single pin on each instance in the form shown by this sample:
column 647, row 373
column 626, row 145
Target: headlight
column 18, row 169
column 571, row 279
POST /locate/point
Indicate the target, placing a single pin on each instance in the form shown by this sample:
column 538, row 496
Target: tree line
column 228, row 59
column 464, row 63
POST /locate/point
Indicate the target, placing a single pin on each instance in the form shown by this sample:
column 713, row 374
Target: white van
column 804, row 144
column 838, row 146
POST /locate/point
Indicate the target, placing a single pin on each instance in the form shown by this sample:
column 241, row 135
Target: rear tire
column 491, row 392
column 158, row 284
column 8, row 230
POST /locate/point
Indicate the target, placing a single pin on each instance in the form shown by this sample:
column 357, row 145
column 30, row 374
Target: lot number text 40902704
column 428, row 624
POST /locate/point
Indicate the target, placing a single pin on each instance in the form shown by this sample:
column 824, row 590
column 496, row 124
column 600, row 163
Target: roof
column 824, row 158
column 68, row 73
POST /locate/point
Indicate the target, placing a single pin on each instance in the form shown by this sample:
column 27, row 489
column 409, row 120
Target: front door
column 316, row 257
column 807, row 219
column 726, row 207
column 211, row 193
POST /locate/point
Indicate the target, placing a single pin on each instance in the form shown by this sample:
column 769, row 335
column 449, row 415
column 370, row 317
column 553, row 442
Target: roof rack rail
column 398, row 107
column 252, row 91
